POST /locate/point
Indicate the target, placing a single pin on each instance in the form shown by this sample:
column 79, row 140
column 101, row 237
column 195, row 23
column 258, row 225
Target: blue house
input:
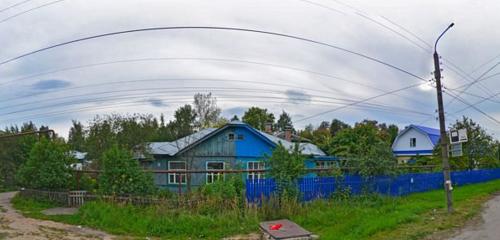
column 414, row 141
column 236, row 145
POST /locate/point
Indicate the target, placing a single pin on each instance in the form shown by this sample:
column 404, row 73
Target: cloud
column 298, row 97
column 51, row 84
column 230, row 112
column 156, row 102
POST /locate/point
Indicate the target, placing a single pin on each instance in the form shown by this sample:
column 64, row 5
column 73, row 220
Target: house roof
column 433, row 134
column 185, row 143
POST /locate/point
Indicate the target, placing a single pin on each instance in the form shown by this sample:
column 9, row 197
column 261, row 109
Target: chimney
column 288, row 133
column 269, row 127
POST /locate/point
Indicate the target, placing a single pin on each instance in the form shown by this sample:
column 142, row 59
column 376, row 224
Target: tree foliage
column 207, row 112
column 286, row 166
column 258, row 117
column 122, row 175
column 284, row 121
column 76, row 137
column 47, row 167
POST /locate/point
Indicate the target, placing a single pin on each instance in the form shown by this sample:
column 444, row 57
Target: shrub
column 286, row 166
column 47, row 167
column 122, row 175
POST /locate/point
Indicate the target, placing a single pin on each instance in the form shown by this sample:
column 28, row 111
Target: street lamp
column 442, row 125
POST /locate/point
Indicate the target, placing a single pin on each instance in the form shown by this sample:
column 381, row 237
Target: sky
column 155, row 72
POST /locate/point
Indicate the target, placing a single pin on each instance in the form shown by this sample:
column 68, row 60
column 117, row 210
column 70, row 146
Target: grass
column 371, row 217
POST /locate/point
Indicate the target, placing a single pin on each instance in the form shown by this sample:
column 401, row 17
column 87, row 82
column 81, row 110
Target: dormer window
column 413, row 142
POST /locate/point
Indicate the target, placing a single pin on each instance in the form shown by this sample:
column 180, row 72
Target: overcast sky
column 156, row 72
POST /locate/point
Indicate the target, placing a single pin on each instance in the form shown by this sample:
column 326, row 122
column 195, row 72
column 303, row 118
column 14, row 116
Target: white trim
column 168, row 175
column 213, row 174
column 259, row 175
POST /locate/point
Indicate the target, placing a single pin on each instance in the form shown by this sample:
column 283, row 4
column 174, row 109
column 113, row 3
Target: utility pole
column 442, row 126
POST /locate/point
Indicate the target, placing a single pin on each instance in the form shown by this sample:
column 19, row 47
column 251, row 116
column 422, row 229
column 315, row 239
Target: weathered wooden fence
column 323, row 187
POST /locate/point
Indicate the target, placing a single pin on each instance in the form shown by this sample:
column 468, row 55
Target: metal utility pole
column 442, row 126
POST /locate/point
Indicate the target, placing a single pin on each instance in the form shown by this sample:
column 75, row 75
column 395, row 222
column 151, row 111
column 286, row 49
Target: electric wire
column 14, row 5
column 29, row 10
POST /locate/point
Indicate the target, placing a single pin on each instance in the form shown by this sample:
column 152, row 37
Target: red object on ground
column 276, row 226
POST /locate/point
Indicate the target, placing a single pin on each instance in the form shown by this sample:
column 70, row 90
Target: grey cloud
column 157, row 102
column 297, row 97
column 50, row 84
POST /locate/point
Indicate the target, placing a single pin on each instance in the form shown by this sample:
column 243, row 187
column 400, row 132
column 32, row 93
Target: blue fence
column 323, row 187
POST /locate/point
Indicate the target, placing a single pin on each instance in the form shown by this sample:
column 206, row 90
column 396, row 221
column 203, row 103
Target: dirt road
column 488, row 228
column 14, row 226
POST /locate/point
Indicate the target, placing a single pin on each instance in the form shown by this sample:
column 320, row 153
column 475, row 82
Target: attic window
column 241, row 137
column 230, row 136
column 413, row 142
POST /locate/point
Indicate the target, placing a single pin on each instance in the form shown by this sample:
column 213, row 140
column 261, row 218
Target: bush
column 122, row 175
column 47, row 167
column 286, row 166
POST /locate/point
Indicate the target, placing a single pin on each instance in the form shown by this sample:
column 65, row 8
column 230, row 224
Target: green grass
column 372, row 217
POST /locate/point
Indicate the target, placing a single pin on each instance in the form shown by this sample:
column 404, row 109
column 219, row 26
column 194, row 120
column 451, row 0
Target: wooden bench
column 284, row 229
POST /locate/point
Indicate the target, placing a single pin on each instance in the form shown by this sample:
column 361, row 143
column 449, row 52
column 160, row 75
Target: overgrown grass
column 368, row 217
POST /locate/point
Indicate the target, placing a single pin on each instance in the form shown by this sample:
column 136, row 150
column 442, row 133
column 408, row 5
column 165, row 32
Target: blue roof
column 434, row 134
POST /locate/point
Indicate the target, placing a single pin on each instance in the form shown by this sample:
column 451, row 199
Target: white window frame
column 182, row 176
column 256, row 175
column 413, row 143
column 322, row 164
column 213, row 175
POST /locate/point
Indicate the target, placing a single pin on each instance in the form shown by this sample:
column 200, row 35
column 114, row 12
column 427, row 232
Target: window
column 241, row 137
column 413, row 142
column 230, row 136
column 255, row 166
column 325, row 164
column 212, row 177
column 175, row 178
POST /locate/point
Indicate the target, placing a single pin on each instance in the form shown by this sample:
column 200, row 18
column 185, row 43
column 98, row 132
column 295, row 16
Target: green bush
column 122, row 175
column 47, row 167
column 286, row 166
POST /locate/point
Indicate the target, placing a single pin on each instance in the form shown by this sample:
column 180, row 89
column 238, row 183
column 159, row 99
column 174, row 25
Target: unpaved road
column 14, row 226
column 488, row 228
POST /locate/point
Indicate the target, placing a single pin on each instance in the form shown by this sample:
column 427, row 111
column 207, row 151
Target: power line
column 14, row 5
column 472, row 106
column 214, row 28
column 323, row 6
column 29, row 10
column 107, row 106
column 177, row 90
column 361, row 101
column 17, row 80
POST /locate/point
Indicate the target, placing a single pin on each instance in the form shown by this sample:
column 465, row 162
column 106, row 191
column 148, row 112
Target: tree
column 184, row 122
column 207, row 112
column 337, row 126
column 363, row 149
column 122, row 175
column 76, row 137
column 48, row 167
column 235, row 118
column 284, row 121
column 480, row 149
column 286, row 166
column 258, row 117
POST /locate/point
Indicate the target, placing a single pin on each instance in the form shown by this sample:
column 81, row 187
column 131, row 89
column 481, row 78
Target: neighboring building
column 81, row 158
column 415, row 141
column 236, row 145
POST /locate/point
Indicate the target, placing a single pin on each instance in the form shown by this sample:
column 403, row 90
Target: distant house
column 81, row 158
column 236, row 145
column 415, row 141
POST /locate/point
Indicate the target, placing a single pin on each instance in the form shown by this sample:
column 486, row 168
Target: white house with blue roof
column 414, row 141
column 236, row 145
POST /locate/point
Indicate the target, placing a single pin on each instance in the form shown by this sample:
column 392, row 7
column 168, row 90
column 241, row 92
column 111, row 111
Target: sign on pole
column 458, row 136
column 456, row 149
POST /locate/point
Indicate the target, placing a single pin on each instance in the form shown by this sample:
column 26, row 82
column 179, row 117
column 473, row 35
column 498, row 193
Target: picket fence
column 323, row 187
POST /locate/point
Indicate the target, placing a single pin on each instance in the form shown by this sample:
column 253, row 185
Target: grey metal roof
column 171, row 148
column 306, row 148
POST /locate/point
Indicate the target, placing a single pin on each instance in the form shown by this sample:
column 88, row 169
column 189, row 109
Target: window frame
column 233, row 138
column 413, row 142
column 256, row 175
column 181, row 176
column 213, row 175
column 322, row 164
